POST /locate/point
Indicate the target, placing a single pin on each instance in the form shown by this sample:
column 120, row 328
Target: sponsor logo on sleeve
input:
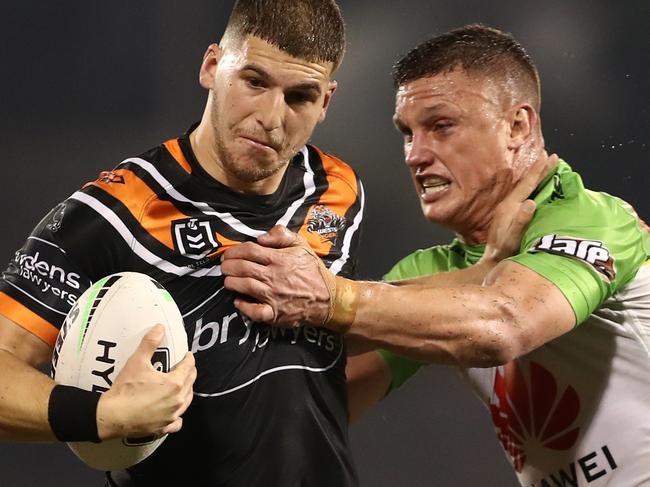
column 109, row 177
column 36, row 268
column 593, row 252
column 57, row 218
column 325, row 223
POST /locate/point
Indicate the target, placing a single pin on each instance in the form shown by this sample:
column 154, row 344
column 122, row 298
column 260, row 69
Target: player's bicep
column 22, row 344
column 540, row 311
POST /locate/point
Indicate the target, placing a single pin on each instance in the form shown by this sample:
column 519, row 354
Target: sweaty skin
column 465, row 146
column 467, row 142
column 401, row 317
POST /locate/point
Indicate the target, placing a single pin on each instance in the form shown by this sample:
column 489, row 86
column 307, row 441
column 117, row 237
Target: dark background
column 86, row 84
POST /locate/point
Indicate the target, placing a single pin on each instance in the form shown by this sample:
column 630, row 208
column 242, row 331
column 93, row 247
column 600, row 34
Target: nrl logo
column 325, row 223
column 194, row 237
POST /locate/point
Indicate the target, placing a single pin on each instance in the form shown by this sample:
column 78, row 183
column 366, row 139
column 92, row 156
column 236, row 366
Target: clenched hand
column 280, row 282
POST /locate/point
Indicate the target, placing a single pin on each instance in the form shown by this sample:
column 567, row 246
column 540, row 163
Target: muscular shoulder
column 589, row 244
column 594, row 227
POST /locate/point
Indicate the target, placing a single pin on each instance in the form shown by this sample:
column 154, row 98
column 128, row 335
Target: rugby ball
column 100, row 333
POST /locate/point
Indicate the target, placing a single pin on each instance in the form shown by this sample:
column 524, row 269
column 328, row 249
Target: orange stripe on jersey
column 27, row 319
column 224, row 244
column 174, row 149
column 334, row 203
column 134, row 193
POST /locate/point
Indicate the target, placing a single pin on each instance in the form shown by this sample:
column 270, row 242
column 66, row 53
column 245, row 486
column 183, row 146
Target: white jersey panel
column 560, row 410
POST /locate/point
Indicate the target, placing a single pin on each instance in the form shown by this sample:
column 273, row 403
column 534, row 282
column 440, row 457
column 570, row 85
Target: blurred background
column 86, row 84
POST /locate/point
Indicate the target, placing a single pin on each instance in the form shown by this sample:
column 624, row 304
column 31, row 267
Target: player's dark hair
column 307, row 29
column 476, row 49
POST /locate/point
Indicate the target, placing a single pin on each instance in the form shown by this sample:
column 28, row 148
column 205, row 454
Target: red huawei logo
column 528, row 409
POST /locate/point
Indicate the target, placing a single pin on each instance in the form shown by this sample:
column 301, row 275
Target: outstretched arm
column 283, row 283
column 477, row 326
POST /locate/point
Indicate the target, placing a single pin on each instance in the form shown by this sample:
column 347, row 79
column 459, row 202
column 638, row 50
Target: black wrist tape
column 72, row 413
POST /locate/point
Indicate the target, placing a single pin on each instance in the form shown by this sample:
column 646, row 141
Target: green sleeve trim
column 401, row 368
column 584, row 291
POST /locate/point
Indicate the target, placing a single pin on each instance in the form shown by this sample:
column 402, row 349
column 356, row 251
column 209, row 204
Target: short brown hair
column 307, row 29
column 476, row 49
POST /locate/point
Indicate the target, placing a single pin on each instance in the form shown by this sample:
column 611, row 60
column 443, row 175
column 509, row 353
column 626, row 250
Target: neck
column 475, row 228
column 476, row 237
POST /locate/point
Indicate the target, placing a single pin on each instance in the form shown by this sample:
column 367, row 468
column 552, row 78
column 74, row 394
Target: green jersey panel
column 588, row 244
column 441, row 258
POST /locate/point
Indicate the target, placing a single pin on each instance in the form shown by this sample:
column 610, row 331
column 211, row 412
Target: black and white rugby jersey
column 270, row 405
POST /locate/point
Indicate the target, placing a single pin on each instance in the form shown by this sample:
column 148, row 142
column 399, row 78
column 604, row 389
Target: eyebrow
column 399, row 125
column 435, row 108
column 428, row 112
column 304, row 86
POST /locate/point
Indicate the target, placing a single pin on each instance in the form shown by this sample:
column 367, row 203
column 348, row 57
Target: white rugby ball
column 100, row 333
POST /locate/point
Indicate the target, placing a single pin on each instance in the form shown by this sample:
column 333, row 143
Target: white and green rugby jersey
column 576, row 411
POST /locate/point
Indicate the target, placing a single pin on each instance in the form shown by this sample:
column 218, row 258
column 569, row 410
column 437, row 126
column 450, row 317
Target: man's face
column 456, row 147
column 264, row 106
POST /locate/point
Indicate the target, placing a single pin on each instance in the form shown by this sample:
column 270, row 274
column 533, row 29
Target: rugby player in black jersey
column 251, row 405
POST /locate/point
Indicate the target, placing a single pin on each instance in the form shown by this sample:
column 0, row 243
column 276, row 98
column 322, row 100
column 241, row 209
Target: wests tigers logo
column 325, row 223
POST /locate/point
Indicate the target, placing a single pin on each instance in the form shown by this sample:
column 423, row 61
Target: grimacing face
column 457, row 146
column 264, row 106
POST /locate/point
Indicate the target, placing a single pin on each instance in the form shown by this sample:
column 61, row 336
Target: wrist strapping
column 72, row 413
column 345, row 302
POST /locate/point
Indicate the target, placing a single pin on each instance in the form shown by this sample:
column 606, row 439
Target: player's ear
column 523, row 122
column 331, row 88
column 209, row 65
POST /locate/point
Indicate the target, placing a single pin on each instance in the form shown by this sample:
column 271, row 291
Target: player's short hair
column 307, row 29
column 476, row 49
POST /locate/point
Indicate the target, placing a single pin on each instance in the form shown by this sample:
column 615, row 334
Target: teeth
column 435, row 189
column 433, row 181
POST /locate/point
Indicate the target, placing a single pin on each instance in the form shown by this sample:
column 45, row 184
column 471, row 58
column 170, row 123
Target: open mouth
column 433, row 185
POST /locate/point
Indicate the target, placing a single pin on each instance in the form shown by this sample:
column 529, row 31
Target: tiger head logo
column 325, row 223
